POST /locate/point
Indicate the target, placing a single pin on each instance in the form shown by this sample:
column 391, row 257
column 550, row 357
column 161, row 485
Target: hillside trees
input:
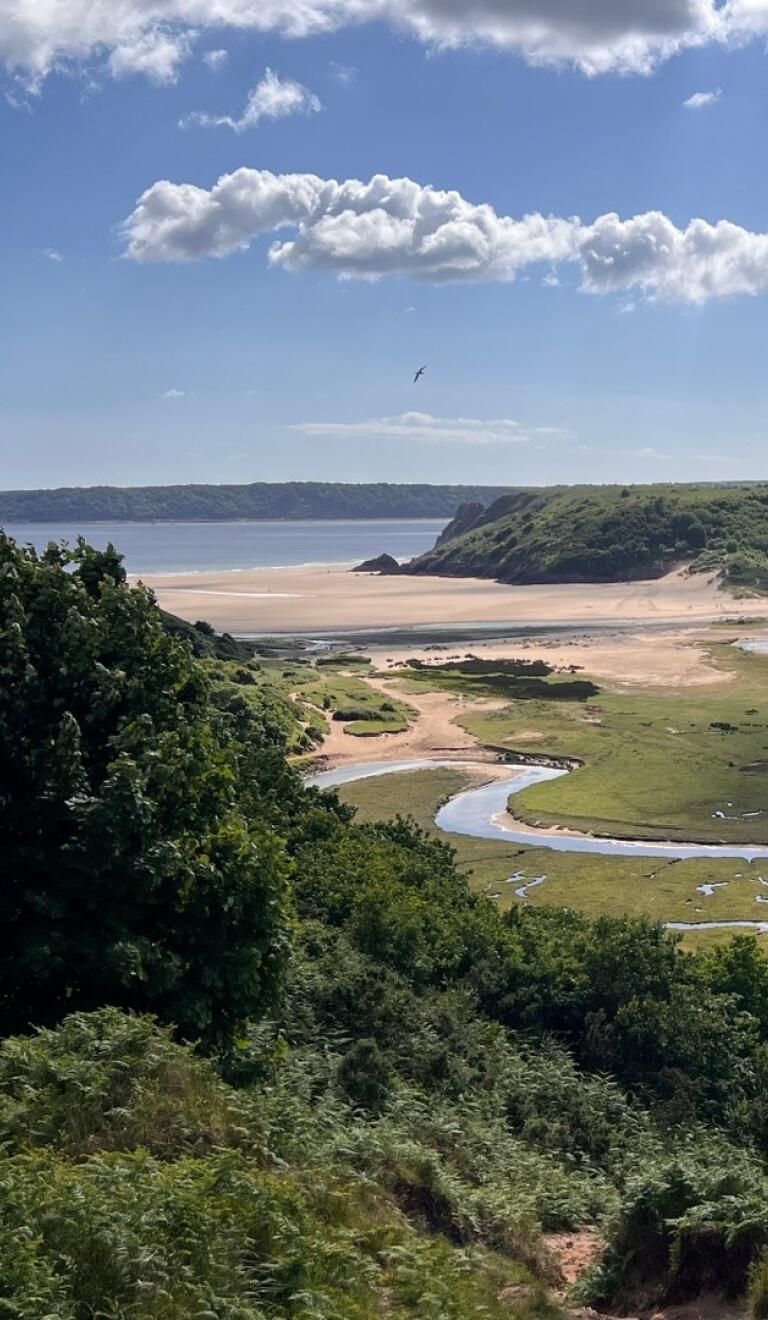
column 132, row 874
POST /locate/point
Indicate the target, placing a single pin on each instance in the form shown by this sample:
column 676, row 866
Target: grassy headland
column 609, row 533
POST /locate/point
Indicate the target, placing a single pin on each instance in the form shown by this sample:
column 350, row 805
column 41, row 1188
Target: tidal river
column 481, row 813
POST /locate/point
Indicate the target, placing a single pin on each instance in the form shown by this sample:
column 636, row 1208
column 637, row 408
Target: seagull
column 419, row 373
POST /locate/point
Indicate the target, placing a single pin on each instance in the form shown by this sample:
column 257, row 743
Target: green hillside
column 262, row 1059
column 609, row 533
column 258, row 500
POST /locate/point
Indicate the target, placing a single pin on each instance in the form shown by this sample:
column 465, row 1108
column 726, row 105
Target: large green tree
column 136, row 867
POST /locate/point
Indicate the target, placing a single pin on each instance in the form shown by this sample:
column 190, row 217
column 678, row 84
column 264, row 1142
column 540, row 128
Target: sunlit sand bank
column 324, row 599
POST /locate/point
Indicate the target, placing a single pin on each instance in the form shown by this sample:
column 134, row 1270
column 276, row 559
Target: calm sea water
column 194, row 547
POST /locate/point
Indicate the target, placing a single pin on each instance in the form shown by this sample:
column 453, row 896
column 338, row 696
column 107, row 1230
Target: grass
column 333, row 689
column 588, row 883
column 372, row 728
column 657, row 764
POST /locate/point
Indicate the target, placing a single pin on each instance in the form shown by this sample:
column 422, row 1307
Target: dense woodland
column 263, row 1062
column 609, row 533
column 261, row 500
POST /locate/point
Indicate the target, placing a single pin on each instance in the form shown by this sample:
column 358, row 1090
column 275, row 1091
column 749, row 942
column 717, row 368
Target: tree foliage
column 132, row 873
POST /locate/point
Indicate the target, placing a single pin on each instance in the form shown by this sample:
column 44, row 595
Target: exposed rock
column 384, row 564
column 462, row 521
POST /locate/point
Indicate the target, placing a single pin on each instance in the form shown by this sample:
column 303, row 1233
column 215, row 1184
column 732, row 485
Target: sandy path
column 322, row 600
column 433, row 732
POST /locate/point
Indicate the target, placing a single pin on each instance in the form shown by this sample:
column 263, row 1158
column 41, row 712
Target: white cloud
column 386, row 226
column 157, row 54
column 700, row 100
column 652, row 255
column 430, row 430
column 215, row 59
column 52, row 254
column 173, row 394
column 596, row 36
column 272, row 98
column 355, row 229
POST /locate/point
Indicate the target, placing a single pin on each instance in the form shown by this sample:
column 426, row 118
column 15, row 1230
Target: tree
column 133, row 874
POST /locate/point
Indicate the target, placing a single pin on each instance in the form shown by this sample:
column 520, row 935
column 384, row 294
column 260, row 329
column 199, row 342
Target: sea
column 199, row 547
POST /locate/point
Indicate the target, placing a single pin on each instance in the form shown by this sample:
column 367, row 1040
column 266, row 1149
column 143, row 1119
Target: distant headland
column 258, row 501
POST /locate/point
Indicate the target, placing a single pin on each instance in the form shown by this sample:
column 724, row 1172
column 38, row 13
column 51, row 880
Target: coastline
column 313, row 600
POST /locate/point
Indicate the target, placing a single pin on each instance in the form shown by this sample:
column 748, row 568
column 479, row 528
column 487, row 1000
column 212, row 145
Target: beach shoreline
column 313, row 600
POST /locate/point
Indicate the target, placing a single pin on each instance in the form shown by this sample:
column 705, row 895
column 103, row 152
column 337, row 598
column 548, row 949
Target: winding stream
column 481, row 813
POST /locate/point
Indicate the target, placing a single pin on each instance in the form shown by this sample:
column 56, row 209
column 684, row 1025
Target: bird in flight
column 419, row 373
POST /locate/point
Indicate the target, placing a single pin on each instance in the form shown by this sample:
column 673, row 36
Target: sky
column 232, row 230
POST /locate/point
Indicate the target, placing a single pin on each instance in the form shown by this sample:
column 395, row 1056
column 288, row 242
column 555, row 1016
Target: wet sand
column 312, row 600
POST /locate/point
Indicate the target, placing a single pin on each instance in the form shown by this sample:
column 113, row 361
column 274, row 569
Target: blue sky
column 198, row 359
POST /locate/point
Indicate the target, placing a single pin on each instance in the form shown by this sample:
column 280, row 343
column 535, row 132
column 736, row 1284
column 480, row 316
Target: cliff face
column 465, row 518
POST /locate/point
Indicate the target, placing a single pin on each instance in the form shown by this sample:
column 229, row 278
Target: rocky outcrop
column 462, row 521
column 384, row 564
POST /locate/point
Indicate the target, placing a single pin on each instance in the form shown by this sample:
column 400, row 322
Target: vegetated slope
column 608, row 533
column 259, row 500
column 405, row 1086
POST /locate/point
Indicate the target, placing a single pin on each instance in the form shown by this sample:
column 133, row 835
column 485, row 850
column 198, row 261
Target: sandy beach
column 309, row 600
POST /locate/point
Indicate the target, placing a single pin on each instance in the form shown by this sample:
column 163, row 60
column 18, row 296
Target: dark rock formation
column 384, row 564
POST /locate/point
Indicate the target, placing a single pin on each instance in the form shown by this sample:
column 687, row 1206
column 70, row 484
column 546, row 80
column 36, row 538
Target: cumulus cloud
column 596, row 36
column 52, row 254
column 272, row 98
column 430, row 430
column 355, row 229
column 700, row 100
column 359, row 230
column 173, row 394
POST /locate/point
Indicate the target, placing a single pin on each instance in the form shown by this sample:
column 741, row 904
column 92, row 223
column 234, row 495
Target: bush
column 364, row 1075
column 347, row 713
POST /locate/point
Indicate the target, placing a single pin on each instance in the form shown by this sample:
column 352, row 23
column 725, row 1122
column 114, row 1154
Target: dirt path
column 433, row 732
